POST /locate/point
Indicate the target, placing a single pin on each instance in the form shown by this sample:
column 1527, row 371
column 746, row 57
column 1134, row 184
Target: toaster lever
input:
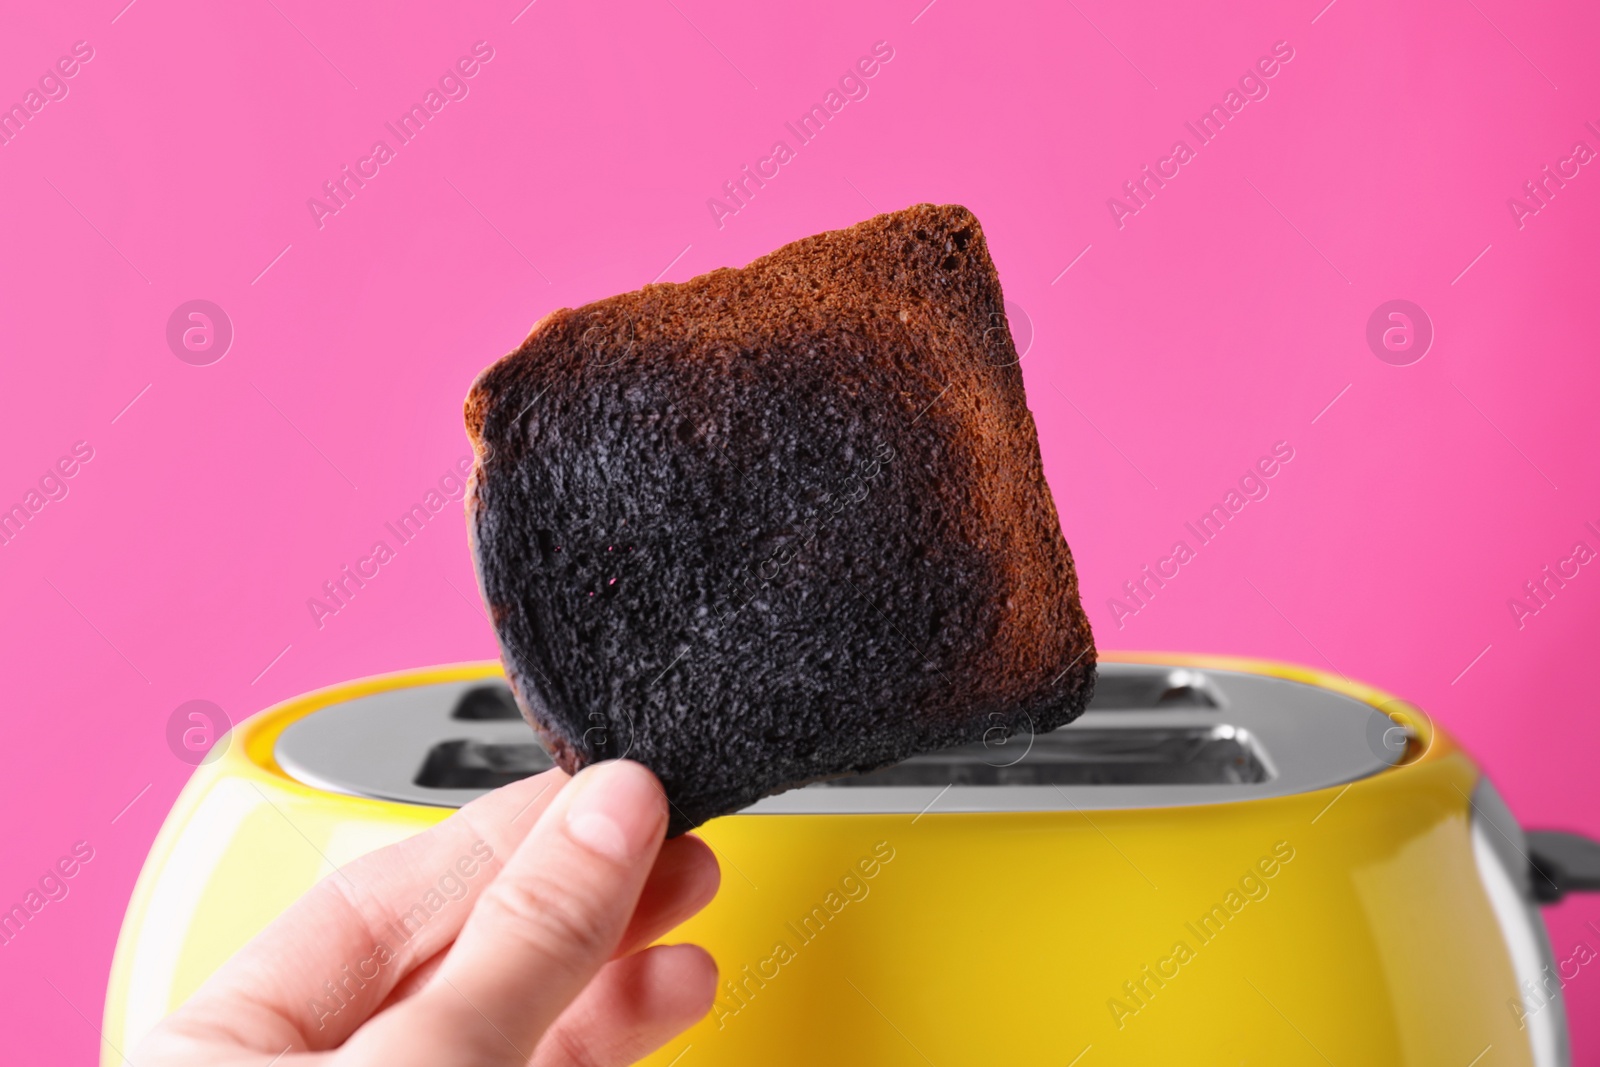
column 1562, row 863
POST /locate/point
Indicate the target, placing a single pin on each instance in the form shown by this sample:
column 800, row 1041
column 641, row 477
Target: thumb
column 546, row 925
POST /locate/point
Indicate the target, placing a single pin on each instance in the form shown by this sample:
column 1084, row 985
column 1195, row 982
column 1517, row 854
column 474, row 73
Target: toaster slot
column 485, row 703
column 1152, row 690
column 480, row 765
column 1140, row 755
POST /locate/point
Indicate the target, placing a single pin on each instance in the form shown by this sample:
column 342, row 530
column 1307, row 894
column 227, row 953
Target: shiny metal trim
column 1501, row 853
column 1305, row 737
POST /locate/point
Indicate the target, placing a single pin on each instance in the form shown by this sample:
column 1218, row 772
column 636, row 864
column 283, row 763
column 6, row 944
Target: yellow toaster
column 1223, row 861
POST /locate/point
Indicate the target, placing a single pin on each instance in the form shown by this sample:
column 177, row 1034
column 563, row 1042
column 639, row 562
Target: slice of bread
column 779, row 523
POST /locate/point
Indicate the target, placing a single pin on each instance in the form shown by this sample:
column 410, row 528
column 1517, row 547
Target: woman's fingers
column 549, row 922
column 633, row 1007
column 325, row 965
column 684, row 880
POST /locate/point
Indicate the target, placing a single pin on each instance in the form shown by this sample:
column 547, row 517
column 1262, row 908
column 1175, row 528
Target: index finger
column 552, row 918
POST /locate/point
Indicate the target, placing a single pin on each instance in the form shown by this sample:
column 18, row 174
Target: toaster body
column 1222, row 862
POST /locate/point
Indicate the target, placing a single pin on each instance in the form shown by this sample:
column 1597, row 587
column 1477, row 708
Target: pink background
column 1223, row 317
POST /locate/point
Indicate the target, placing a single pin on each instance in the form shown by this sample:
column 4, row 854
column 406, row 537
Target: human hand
column 540, row 960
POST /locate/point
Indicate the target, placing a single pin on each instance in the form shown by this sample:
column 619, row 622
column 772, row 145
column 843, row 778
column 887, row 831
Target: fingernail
column 616, row 810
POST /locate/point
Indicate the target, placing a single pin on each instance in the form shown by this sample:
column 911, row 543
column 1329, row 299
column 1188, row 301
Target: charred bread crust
column 778, row 523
